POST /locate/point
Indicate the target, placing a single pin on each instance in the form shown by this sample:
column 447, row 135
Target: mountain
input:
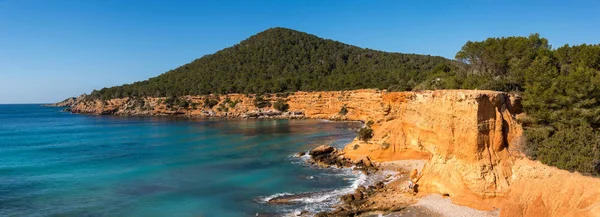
column 282, row 60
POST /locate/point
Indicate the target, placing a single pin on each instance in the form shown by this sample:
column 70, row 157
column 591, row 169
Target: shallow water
column 56, row 163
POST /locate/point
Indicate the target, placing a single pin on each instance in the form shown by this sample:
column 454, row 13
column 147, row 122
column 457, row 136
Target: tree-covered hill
column 281, row 60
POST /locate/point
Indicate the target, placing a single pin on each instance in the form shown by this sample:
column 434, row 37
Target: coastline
column 362, row 106
column 471, row 140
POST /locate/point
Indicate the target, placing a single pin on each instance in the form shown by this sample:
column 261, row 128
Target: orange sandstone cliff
column 469, row 138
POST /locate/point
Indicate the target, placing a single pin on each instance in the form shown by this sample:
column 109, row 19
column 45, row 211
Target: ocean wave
column 321, row 200
column 270, row 197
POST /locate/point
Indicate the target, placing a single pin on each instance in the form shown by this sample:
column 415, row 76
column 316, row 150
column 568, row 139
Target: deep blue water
column 54, row 163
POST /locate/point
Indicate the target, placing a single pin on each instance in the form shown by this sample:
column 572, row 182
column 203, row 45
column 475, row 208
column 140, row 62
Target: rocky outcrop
column 471, row 142
column 360, row 105
column 469, row 138
column 69, row 102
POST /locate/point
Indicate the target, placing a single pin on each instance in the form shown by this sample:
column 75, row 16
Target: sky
column 54, row 49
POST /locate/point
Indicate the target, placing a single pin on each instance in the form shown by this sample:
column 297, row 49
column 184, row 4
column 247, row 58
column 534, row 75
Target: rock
column 300, row 154
column 380, row 185
column 69, row 102
column 323, row 149
column 348, row 198
column 363, row 160
column 358, row 194
column 470, row 139
column 300, row 213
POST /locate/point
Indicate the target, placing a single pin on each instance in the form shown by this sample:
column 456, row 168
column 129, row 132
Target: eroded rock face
column 468, row 137
column 360, row 104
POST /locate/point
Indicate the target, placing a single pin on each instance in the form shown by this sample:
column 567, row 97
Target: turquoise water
column 55, row 163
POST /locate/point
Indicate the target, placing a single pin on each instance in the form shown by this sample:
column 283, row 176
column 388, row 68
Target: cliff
column 361, row 105
column 470, row 139
column 69, row 102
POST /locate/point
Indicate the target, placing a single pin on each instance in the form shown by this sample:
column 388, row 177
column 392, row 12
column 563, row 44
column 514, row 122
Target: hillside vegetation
column 560, row 90
column 560, row 87
column 284, row 60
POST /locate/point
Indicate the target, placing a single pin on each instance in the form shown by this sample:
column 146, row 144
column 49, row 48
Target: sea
column 54, row 163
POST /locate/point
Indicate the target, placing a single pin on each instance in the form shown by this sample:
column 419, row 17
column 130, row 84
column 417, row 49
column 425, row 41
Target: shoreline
column 472, row 140
column 311, row 105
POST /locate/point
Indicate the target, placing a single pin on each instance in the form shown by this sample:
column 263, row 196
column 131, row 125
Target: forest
column 560, row 87
column 284, row 60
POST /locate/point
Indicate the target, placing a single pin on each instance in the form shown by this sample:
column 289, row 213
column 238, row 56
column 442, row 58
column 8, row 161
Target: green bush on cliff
column 261, row 102
column 209, row 103
column 343, row 110
column 365, row 133
column 281, row 105
column 183, row 103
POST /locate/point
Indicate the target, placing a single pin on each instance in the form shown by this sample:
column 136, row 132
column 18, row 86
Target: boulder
column 323, row 149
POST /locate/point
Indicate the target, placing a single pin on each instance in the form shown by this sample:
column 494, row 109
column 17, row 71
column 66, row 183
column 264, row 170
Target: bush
column 169, row 102
column 209, row 103
column 282, row 94
column 231, row 103
column 260, row 102
column 223, row 108
column 365, row 133
column 183, row 103
column 568, row 148
column 343, row 110
column 370, row 123
column 227, row 100
column 281, row 105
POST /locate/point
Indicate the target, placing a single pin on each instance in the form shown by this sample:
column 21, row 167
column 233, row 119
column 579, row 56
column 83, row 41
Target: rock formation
column 466, row 135
column 69, row 102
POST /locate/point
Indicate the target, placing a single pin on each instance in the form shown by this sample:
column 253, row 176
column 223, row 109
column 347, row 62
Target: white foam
column 267, row 198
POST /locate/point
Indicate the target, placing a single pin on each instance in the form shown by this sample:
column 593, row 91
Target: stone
column 358, row 194
column 300, row 154
column 323, row 149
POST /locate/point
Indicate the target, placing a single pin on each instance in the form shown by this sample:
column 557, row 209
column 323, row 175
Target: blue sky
column 53, row 49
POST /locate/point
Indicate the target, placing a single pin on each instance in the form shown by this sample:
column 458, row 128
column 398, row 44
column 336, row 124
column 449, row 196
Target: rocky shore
column 386, row 196
column 380, row 197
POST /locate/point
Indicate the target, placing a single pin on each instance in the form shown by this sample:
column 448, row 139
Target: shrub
column 260, row 102
column 281, row 105
column 209, row 103
column 182, row 103
column 194, row 105
column 365, row 133
column 573, row 148
column 343, row 110
column 370, row 123
column 227, row 100
column 282, row 94
column 232, row 104
column 222, row 108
